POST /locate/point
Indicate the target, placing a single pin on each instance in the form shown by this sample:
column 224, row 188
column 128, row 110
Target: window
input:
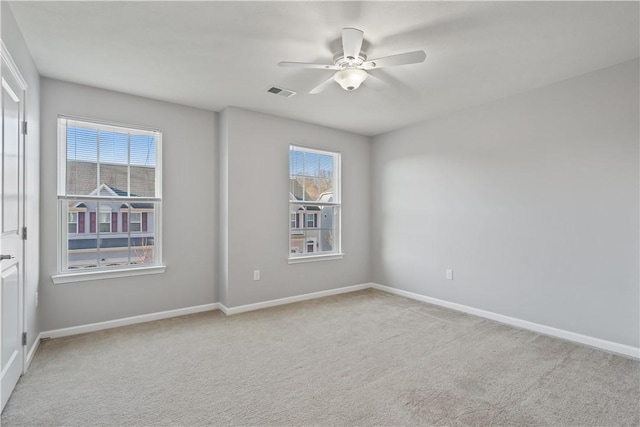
column 314, row 204
column 72, row 222
column 109, row 191
column 311, row 220
column 135, row 223
column 105, row 222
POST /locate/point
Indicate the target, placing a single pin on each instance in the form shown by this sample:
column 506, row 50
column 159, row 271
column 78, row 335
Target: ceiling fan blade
column 394, row 60
column 286, row 64
column 351, row 42
column 375, row 83
column 322, row 86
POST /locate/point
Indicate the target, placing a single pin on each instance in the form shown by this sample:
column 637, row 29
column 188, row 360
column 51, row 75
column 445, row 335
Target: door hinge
column 24, row 338
column 24, row 233
column 24, row 128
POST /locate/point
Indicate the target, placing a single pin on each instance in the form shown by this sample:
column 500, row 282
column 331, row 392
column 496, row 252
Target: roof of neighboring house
column 296, row 191
column 142, row 205
column 326, row 197
column 296, row 188
column 313, row 191
column 306, row 207
column 82, row 178
column 123, row 193
column 119, row 192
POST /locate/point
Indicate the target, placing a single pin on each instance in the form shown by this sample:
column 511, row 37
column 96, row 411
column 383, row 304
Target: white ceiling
column 214, row 54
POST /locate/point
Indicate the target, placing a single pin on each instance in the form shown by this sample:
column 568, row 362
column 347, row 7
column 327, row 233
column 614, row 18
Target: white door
column 11, row 223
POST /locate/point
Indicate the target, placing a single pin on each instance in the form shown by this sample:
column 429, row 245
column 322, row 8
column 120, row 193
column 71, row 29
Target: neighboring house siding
column 118, row 246
column 326, row 235
column 112, row 242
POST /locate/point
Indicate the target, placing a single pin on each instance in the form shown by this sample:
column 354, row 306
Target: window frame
column 64, row 273
column 304, row 256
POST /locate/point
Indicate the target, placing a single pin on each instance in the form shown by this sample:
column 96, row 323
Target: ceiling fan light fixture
column 350, row 78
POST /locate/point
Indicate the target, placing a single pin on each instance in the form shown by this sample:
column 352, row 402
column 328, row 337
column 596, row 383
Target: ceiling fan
column 351, row 65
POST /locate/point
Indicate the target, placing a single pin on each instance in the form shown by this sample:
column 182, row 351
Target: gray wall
column 189, row 209
column 12, row 38
column 531, row 200
column 255, row 154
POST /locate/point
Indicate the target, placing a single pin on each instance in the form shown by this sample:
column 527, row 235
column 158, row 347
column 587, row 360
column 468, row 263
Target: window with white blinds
column 314, row 204
column 109, row 197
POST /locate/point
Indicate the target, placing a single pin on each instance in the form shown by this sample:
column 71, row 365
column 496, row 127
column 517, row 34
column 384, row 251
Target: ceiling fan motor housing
column 341, row 61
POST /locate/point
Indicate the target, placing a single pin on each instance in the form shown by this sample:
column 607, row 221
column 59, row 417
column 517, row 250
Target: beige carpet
column 366, row 358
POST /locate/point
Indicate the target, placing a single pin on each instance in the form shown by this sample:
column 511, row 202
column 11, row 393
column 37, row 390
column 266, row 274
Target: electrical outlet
column 449, row 274
column 256, row 274
column 36, row 300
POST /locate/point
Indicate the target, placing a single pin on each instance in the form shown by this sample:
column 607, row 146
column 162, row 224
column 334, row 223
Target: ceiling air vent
column 281, row 92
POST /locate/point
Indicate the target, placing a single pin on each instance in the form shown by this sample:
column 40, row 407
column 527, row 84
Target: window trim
column 311, row 258
column 64, row 275
column 302, row 257
column 83, row 276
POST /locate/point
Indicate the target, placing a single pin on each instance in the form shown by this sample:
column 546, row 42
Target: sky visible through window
column 302, row 163
column 82, row 145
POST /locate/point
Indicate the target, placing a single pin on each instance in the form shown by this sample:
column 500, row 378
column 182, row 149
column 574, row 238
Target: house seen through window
column 109, row 192
column 314, row 202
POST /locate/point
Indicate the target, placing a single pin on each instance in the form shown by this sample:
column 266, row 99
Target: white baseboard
column 32, row 352
column 536, row 327
column 92, row 327
column 288, row 300
column 613, row 347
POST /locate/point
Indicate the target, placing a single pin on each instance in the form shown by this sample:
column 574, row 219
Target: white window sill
column 312, row 258
column 106, row 274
